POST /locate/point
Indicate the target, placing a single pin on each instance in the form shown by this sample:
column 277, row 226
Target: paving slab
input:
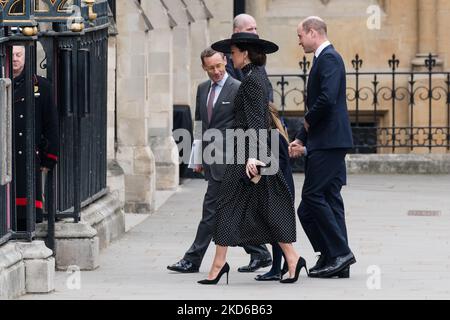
column 399, row 256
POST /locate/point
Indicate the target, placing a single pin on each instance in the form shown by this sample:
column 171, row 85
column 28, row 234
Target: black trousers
column 321, row 211
column 205, row 230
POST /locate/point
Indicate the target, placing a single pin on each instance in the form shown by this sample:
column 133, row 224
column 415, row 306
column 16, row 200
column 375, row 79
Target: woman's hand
column 251, row 170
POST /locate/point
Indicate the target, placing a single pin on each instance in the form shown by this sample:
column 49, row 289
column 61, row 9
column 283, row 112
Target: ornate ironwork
column 357, row 63
column 54, row 10
column 67, row 15
column 17, row 13
column 378, row 100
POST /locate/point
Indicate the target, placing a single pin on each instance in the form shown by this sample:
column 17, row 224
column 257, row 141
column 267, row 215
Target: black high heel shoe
column 225, row 269
column 300, row 264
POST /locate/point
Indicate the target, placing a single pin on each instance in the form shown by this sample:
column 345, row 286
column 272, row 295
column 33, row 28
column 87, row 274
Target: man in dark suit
column 325, row 138
column 214, row 109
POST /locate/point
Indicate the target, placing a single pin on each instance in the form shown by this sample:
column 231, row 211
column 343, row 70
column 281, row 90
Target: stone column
column 443, row 27
column 39, row 266
column 115, row 176
column 181, row 53
column 427, row 34
column 256, row 8
column 12, row 271
column 134, row 153
column 200, row 39
column 221, row 26
column 160, row 96
column 112, row 66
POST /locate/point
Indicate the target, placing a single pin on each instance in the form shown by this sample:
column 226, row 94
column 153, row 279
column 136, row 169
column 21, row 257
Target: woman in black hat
column 252, row 208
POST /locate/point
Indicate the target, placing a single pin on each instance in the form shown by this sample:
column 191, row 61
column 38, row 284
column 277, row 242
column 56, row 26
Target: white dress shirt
column 321, row 48
column 218, row 88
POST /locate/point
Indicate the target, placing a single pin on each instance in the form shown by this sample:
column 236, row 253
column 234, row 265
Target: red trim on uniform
column 52, row 156
column 23, row 202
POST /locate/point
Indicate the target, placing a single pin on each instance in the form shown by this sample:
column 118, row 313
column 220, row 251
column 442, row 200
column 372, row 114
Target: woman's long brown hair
column 275, row 121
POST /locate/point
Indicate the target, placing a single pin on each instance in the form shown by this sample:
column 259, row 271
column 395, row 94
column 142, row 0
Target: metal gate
column 74, row 36
column 82, row 90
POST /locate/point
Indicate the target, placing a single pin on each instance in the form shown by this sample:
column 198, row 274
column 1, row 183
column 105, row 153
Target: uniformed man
column 46, row 135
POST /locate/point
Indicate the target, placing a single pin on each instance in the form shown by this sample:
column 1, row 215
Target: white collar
column 321, row 48
column 221, row 83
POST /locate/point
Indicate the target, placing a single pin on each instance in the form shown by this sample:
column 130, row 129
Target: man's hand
column 198, row 168
column 296, row 149
column 44, row 169
column 306, row 125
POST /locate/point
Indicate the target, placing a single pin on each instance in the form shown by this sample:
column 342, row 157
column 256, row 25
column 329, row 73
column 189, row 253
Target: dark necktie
column 210, row 105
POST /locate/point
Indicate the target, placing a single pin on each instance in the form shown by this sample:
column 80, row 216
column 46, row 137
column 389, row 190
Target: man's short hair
column 209, row 52
column 241, row 19
column 316, row 24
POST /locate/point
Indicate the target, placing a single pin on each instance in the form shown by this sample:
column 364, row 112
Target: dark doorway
column 364, row 138
column 239, row 7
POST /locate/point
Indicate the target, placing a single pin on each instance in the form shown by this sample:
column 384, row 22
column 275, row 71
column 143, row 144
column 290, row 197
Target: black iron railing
column 393, row 111
column 75, row 62
column 82, row 99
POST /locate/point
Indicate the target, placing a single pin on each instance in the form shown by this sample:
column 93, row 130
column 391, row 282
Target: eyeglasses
column 217, row 66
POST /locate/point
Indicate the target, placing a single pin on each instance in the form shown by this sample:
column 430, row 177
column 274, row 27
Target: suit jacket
column 326, row 105
column 222, row 119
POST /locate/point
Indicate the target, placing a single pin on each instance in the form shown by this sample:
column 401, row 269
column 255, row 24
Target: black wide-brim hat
column 245, row 38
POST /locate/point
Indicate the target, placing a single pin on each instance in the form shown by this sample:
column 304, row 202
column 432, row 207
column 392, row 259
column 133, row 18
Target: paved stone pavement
column 411, row 254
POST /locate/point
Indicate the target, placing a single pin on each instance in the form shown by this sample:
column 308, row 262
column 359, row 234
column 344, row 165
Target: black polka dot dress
column 250, row 213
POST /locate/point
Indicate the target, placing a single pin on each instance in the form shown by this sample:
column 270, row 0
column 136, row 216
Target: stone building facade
column 156, row 65
column 375, row 30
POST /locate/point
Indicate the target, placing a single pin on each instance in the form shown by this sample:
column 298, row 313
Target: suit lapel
column 320, row 55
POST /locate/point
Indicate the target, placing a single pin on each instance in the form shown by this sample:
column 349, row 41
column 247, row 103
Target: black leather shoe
column 256, row 264
column 336, row 265
column 270, row 277
column 321, row 262
column 344, row 274
column 183, row 266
